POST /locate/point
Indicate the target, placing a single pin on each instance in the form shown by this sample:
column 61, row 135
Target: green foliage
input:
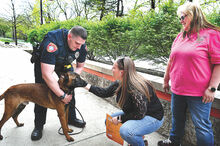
column 23, row 26
column 168, row 7
column 103, row 7
column 4, row 27
column 214, row 17
column 33, row 37
column 37, row 35
column 6, row 40
column 110, row 37
column 138, row 35
column 158, row 32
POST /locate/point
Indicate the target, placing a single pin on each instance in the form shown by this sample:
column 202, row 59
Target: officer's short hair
column 79, row 31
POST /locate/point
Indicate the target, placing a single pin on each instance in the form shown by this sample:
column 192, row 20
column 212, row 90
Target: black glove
column 79, row 82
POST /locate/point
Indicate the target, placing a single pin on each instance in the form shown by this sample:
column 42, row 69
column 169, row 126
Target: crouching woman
column 142, row 112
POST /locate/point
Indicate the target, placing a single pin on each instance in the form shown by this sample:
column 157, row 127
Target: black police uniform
column 55, row 51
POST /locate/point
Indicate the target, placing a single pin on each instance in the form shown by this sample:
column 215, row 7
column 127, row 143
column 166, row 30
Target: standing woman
column 142, row 112
column 194, row 71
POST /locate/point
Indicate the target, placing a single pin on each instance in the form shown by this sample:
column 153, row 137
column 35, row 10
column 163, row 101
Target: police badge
column 76, row 54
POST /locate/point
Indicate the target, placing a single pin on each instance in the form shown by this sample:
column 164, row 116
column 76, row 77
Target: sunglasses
column 182, row 18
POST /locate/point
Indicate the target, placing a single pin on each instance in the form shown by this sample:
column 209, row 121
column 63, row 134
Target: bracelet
column 63, row 96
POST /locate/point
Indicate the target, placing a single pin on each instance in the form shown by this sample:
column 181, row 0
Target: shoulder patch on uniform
column 51, row 47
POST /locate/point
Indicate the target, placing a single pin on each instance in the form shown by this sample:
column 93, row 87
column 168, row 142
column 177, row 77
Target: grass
column 10, row 40
column 6, row 40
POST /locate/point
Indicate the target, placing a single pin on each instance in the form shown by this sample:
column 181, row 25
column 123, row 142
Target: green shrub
column 214, row 17
column 138, row 35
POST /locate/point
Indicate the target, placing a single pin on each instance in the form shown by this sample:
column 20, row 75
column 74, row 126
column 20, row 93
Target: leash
column 68, row 66
column 61, row 133
column 85, row 138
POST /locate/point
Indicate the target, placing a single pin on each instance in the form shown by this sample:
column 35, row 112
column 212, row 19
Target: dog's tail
column 1, row 96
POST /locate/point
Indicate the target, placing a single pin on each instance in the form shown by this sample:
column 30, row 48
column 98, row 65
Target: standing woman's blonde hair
column 131, row 78
column 198, row 20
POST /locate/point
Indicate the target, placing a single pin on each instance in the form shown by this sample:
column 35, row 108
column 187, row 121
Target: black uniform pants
column 40, row 112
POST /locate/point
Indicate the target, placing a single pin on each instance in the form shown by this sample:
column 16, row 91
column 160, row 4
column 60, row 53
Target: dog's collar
column 70, row 91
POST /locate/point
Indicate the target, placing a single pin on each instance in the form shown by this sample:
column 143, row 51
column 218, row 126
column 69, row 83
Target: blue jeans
column 132, row 131
column 200, row 113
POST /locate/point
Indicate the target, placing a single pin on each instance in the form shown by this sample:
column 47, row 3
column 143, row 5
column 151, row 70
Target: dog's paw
column 70, row 130
column 70, row 139
column 1, row 137
column 20, row 124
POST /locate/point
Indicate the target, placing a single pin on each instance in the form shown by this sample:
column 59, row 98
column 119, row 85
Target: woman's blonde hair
column 198, row 21
column 131, row 79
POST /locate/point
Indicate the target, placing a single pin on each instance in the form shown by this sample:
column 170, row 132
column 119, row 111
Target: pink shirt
column 192, row 62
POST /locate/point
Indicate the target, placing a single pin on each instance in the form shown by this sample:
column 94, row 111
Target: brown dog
column 40, row 94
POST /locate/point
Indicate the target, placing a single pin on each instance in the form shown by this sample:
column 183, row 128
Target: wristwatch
column 63, row 96
column 212, row 89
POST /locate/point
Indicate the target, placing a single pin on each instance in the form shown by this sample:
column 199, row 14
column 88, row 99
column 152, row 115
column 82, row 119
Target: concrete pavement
column 16, row 68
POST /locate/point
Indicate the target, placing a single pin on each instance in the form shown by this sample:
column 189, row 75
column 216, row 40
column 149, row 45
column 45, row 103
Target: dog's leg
column 66, row 115
column 10, row 107
column 17, row 112
column 62, row 117
column 1, row 137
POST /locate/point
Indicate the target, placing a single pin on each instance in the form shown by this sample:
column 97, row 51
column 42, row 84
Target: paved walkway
column 16, row 68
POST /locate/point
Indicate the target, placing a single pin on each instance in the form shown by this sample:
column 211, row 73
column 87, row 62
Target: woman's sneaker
column 167, row 142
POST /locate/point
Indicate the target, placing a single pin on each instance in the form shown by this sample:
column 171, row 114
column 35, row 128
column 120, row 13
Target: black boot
column 72, row 120
column 36, row 133
column 77, row 123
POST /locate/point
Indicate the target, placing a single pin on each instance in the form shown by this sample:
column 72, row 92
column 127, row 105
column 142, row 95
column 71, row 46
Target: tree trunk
column 14, row 23
column 41, row 13
column 86, row 11
column 152, row 4
column 102, row 9
column 122, row 8
column 119, row 12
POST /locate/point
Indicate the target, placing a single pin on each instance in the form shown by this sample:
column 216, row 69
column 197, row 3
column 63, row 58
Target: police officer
column 57, row 51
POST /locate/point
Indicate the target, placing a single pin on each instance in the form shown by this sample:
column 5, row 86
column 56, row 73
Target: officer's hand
column 67, row 98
